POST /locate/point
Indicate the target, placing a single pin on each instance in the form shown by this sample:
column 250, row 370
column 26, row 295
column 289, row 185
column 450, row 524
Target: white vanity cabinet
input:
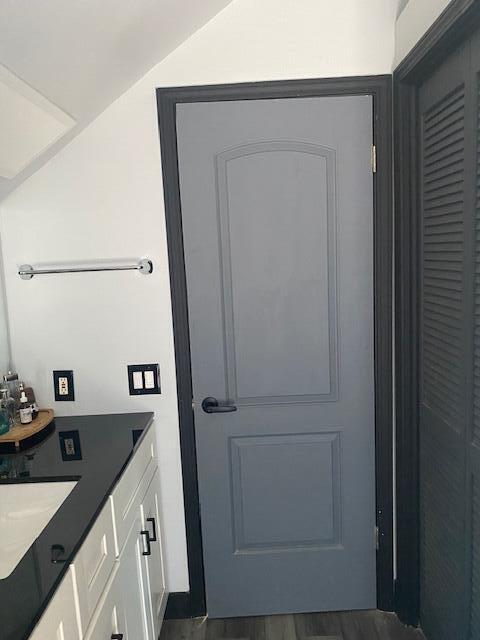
column 115, row 588
column 59, row 622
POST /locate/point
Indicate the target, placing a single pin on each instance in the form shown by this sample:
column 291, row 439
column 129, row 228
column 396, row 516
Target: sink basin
column 25, row 511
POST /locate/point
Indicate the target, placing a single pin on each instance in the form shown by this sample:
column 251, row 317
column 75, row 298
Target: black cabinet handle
column 116, row 636
column 211, row 405
column 146, row 536
column 57, row 554
column 153, row 537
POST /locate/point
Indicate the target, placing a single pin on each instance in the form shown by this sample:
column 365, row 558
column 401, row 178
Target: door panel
column 153, row 566
column 443, row 105
column 269, row 476
column 450, row 341
column 473, row 433
column 277, row 354
column 135, row 584
column 277, row 214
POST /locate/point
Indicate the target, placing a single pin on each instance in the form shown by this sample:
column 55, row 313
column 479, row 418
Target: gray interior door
column 277, row 211
column 450, row 348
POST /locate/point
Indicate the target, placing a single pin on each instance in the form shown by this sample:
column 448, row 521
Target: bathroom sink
column 25, row 511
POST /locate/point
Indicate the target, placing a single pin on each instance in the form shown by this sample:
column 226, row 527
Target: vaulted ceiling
column 63, row 62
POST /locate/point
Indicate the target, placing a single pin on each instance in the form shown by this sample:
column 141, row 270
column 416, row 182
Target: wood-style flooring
column 348, row 625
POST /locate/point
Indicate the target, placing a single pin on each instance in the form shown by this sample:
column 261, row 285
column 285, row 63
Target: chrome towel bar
column 144, row 266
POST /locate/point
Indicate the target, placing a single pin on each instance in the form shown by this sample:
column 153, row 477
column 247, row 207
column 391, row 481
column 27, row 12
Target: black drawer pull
column 116, row 636
column 146, row 536
column 57, row 552
column 153, row 537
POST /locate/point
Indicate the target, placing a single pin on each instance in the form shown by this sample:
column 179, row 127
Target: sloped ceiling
column 78, row 57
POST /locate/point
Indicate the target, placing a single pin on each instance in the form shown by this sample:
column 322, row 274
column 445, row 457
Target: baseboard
column 180, row 606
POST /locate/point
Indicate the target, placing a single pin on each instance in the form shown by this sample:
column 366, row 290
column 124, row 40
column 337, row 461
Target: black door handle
column 153, row 537
column 116, row 636
column 211, row 405
column 146, row 535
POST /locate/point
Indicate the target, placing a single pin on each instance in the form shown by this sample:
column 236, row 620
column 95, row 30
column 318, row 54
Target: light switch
column 143, row 379
column 149, row 380
column 137, row 380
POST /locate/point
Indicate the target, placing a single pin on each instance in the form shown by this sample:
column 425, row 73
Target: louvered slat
column 442, row 367
column 476, row 352
column 475, row 594
column 443, row 167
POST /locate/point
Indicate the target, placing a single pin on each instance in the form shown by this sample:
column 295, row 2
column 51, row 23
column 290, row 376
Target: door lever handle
column 211, row 405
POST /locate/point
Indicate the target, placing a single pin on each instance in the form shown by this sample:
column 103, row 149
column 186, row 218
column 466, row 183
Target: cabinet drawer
column 59, row 622
column 94, row 564
column 109, row 616
column 127, row 495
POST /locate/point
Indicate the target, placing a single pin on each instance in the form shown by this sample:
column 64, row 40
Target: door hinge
column 374, row 158
column 377, row 538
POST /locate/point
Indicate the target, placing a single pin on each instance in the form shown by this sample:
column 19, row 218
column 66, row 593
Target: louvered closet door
column 443, row 158
column 473, row 435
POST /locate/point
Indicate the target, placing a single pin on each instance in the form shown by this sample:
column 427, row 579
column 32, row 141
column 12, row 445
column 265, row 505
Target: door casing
column 191, row 604
column 455, row 25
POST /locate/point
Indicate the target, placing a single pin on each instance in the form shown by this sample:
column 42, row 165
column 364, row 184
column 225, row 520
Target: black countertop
column 102, row 447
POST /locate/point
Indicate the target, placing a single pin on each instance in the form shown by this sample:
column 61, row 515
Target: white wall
column 101, row 197
column 5, row 360
column 414, row 21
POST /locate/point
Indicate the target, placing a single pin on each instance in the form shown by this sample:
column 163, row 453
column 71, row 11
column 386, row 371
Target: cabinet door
column 93, row 564
column 135, row 583
column 109, row 618
column 59, row 622
column 154, row 565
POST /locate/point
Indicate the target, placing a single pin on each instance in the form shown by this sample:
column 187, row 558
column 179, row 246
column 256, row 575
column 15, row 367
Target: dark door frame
column 457, row 22
column 183, row 605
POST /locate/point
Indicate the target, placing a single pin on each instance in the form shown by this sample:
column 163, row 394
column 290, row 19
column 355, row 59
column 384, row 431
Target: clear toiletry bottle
column 12, row 382
column 25, row 409
column 7, row 403
column 4, row 422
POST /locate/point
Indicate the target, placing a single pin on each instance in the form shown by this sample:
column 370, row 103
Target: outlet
column 70, row 445
column 63, row 386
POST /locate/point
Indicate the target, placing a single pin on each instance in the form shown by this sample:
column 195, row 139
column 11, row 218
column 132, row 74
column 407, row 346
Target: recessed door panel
column 268, row 478
column 276, row 208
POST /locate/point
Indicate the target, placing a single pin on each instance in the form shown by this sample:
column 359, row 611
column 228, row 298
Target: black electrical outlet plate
column 70, row 445
column 70, row 396
column 142, row 369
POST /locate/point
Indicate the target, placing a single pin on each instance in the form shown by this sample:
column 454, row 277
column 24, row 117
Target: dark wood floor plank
column 184, row 629
column 347, row 625
column 280, row 628
column 311, row 625
column 236, row 629
column 358, row 625
column 394, row 629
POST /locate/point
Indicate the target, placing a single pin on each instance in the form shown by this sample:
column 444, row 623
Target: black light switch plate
column 63, row 386
column 143, row 379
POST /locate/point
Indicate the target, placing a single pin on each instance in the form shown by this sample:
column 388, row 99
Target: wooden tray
column 23, row 431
